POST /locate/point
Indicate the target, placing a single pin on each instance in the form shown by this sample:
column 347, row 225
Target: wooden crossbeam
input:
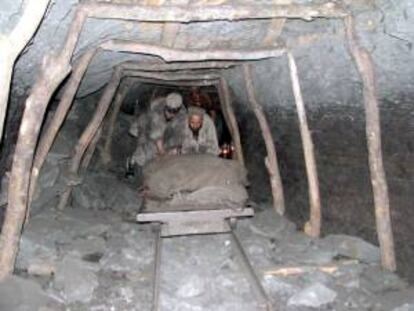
column 198, row 13
column 183, row 55
column 194, row 221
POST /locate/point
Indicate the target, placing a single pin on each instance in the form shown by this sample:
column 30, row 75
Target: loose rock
column 192, row 287
column 76, row 282
column 21, row 294
column 352, row 247
column 405, row 307
column 314, row 296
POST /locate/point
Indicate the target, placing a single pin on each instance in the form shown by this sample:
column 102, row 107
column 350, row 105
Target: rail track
column 214, row 221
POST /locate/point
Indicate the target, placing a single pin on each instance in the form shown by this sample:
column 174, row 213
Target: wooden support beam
column 87, row 158
column 365, row 67
column 35, row 107
column 73, row 34
column 49, row 135
column 106, row 153
column 313, row 226
column 182, row 55
column 329, row 268
column 165, row 67
column 271, row 159
column 54, row 69
column 171, row 77
column 274, row 31
column 88, row 134
column 12, row 44
column 170, row 30
column 169, row 33
column 275, row 27
column 193, row 13
column 176, row 83
column 230, row 117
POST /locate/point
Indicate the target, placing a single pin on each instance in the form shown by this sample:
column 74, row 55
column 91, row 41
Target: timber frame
column 28, row 159
column 13, row 44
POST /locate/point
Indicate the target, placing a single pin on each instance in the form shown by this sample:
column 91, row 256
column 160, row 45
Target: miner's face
column 195, row 89
column 170, row 113
column 195, row 96
column 195, row 122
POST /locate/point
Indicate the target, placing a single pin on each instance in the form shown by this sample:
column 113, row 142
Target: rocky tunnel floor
column 95, row 260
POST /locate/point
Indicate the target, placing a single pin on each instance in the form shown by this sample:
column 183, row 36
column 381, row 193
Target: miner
column 200, row 133
column 162, row 129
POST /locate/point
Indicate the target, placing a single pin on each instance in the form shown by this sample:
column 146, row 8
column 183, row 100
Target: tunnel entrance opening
column 205, row 97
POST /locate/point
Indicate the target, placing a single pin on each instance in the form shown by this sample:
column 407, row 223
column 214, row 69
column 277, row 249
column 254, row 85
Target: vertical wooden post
column 313, row 227
column 170, row 30
column 88, row 135
column 271, row 159
column 106, row 153
column 275, row 27
column 87, row 158
column 11, row 46
column 224, row 112
column 365, row 67
column 23, row 157
column 54, row 69
column 228, row 113
column 49, row 136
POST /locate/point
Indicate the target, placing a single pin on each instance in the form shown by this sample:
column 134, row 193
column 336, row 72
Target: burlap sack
column 186, row 176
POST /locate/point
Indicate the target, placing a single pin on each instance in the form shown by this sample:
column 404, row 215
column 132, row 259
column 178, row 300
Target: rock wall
column 332, row 95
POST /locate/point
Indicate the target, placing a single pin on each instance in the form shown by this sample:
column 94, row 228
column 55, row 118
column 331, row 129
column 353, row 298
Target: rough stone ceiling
column 240, row 34
column 52, row 32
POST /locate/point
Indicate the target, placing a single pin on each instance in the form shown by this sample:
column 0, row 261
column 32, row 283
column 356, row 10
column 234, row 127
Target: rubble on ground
column 100, row 262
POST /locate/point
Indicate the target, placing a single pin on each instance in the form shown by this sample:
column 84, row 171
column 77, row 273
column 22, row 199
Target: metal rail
column 157, row 268
column 259, row 291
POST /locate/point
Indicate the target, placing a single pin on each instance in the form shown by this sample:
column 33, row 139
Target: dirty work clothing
column 152, row 126
column 139, row 126
column 204, row 142
column 159, row 124
column 174, row 131
column 146, row 149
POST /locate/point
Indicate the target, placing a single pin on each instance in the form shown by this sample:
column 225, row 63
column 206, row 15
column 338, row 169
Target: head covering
column 174, row 101
column 196, row 111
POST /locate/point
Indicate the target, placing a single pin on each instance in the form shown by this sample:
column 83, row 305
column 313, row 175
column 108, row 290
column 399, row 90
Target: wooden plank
column 205, row 215
column 181, row 14
column 275, row 26
column 184, row 55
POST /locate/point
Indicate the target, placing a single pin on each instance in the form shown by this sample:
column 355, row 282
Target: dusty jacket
column 152, row 126
column 159, row 128
column 206, row 142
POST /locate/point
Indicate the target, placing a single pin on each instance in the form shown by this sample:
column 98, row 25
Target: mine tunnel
column 206, row 155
